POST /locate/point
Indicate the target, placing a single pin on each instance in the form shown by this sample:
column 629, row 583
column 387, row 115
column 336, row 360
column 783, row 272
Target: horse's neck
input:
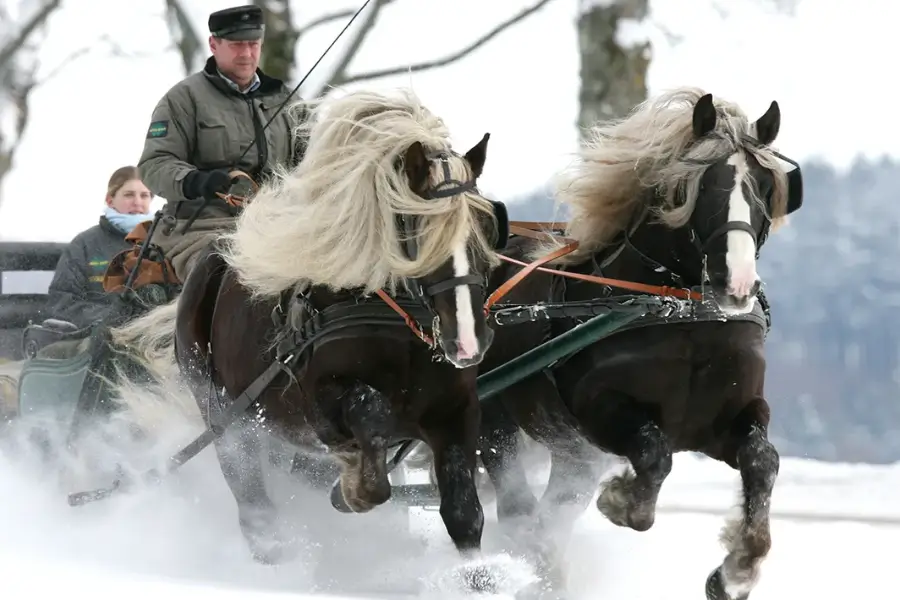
column 656, row 255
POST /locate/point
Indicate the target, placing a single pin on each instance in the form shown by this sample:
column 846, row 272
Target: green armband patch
column 158, row 129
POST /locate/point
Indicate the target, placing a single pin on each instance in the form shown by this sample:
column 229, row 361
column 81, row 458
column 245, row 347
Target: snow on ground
column 181, row 540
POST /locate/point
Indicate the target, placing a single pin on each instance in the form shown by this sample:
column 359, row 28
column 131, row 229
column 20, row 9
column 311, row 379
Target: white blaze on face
column 465, row 318
column 741, row 255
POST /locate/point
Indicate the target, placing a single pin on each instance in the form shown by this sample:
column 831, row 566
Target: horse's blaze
column 467, row 341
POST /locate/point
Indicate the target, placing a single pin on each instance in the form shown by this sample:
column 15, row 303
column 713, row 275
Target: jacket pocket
column 278, row 134
column 212, row 144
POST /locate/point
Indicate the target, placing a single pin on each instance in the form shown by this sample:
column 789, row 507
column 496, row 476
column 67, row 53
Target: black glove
column 205, row 184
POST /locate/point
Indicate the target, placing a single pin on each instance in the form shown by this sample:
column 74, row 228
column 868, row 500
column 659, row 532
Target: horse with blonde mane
column 381, row 220
column 681, row 196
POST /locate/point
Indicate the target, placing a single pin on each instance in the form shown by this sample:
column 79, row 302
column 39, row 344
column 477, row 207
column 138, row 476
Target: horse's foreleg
column 748, row 538
column 240, row 455
column 364, row 476
column 619, row 425
column 499, row 447
column 576, row 468
column 453, row 440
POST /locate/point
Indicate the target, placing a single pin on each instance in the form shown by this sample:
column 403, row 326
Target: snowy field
column 181, row 540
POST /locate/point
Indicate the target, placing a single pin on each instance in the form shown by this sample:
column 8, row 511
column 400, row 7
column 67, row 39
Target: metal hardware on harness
column 459, row 187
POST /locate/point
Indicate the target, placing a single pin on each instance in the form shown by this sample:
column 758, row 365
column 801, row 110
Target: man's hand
column 205, row 184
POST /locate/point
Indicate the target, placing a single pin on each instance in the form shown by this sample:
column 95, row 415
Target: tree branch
column 339, row 71
column 446, row 60
column 62, row 65
column 115, row 50
column 279, row 51
column 183, row 34
column 341, row 15
column 40, row 17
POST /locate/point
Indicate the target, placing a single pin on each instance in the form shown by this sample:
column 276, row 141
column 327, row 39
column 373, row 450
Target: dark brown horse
column 681, row 194
column 380, row 220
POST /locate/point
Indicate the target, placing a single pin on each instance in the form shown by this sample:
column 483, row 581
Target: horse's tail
column 149, row 342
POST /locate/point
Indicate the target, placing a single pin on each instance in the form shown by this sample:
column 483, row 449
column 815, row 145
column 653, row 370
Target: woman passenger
column 76, row 293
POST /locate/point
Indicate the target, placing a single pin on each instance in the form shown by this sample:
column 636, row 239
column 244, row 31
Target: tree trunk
column 613, row 71
column 20, row 39
column 280, row 46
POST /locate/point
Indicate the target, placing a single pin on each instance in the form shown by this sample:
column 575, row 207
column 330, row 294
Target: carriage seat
column 38, row 336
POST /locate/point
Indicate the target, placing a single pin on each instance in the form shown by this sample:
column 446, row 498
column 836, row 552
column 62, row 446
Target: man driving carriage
column 209, row 125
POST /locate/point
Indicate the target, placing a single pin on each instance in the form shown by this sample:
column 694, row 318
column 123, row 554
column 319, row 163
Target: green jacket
column 203, row 123
column 76, row 293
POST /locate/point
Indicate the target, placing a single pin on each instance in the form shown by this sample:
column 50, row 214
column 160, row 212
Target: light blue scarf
column 125, row 223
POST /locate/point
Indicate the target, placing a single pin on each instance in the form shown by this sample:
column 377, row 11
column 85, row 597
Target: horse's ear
column 477, row 155
column 768, row 125
column 415, row 163
column 704, row 116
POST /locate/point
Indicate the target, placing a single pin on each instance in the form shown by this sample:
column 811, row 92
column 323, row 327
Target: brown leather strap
column 410, row 322
column 537, row 235
column 516, row 279
column 532, row 229
column 233, row 199
column 658, row 290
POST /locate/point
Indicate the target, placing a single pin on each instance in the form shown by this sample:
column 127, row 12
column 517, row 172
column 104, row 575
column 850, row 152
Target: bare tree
column 613, row 73
column 614, row 69
column 282, row 35
column 21, row 27
column 184, row 35
column 22, row 32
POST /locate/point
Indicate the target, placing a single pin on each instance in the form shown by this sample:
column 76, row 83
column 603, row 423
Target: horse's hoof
column 269, row 557
column 268, row 549
column 355, row 505
column 264, row 538
column 337, row 498
column 615, row 504
column 715, row 587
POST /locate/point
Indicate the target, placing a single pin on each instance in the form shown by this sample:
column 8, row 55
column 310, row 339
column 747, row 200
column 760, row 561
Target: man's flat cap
column 237, row 23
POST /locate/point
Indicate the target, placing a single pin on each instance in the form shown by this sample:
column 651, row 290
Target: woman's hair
column 120, row 177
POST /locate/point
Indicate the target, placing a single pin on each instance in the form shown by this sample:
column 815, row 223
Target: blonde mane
column 331, row 221
column 653, row 147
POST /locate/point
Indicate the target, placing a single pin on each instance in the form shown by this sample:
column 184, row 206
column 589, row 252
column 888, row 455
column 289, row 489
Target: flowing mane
column 331, row 221
column 653, row 148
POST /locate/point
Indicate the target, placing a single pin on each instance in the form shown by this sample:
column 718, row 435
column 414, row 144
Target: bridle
column 795, row 198
column 408, row 225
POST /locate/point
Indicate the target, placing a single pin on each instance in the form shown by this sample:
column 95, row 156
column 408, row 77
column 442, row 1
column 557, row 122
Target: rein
column 410, row 322
column 236, row 200
column 529, row 229
column 532, row 229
